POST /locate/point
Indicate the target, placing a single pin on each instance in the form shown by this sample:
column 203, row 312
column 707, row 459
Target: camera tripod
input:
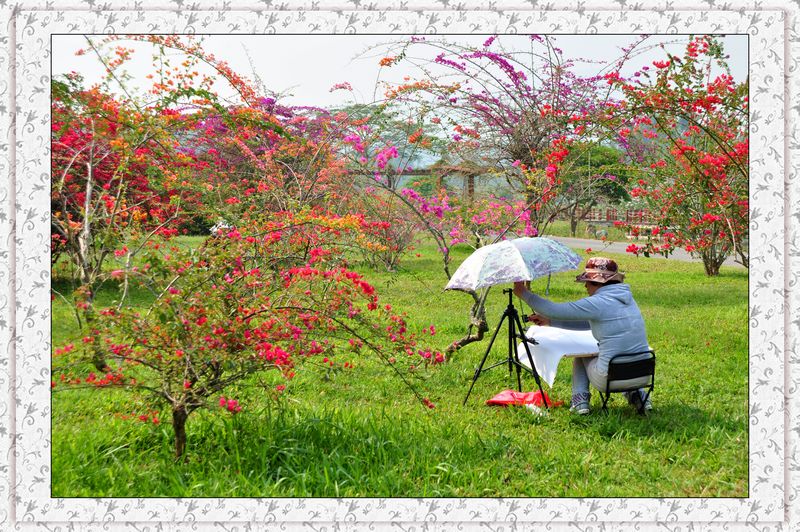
column 515, row 332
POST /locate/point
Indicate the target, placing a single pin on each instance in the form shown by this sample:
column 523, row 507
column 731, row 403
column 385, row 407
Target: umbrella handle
column 547, row 289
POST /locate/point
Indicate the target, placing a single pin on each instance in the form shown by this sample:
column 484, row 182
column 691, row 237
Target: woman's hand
column 520, row 288
column 539, row 320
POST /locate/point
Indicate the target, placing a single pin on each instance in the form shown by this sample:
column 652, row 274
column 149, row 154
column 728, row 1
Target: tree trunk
column 481, row 329
column 179, row 415
column 744, row 254
column 85, row 236
column 98, row 355
column 477, row 321
column 712, row 269
column 712, row 263
column 573, row 223
column 744, row 259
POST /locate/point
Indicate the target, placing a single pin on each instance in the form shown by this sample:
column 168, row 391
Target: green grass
column 361, row 433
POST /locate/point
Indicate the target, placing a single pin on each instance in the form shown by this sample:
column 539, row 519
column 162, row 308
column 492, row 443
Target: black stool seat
column 628, row 372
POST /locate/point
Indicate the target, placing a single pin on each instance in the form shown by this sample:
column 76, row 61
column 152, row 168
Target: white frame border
column 26, row 374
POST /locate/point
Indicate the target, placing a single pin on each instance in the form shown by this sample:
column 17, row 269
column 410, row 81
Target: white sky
column 305, row 67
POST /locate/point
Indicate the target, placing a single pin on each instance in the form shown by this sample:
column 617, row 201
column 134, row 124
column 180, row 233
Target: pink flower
column 341, row 86
column 633, row 248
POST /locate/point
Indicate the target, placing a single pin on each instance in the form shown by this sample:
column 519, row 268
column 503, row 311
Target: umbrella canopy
column 521, row 259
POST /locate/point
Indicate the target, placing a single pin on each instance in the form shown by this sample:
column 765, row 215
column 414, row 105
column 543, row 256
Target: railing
column 641, row 216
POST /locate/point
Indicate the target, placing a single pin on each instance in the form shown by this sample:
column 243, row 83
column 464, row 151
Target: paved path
column 598, row 246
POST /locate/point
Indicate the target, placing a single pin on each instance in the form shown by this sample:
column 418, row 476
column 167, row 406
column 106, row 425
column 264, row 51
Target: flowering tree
column 393, row 233
column 689, row 128
column 508, row 115
column 242, row 304
column 115, row 170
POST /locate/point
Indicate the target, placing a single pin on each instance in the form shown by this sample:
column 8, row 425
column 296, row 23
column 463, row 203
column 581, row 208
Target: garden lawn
column 360, row 432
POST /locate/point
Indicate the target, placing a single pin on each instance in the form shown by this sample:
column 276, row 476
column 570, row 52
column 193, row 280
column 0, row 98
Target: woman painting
column 613, row 317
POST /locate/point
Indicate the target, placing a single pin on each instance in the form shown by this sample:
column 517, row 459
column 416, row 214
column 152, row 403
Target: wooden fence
column 609, row 216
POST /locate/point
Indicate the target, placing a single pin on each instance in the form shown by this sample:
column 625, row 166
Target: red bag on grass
column 512, row 397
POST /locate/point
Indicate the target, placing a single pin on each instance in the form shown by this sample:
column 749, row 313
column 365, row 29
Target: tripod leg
column 530, row 360
column 510, row 344
column 483, row 360
column 512, row 351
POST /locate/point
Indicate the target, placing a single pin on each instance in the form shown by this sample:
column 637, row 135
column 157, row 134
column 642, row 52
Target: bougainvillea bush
column 261, row 298
column 485, row 112
column 116, row 172
column 685, row 125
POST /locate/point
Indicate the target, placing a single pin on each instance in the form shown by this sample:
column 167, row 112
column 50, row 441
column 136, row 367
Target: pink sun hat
column 600, row 270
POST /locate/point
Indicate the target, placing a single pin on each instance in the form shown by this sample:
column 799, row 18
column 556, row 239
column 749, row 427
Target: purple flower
column 447, row 62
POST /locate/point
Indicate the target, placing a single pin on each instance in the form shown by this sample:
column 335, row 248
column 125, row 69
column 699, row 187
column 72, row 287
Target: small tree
column 242, row 304
column 690, row 125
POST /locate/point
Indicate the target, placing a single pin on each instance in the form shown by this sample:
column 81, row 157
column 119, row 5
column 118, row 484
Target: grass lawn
column 360, row 432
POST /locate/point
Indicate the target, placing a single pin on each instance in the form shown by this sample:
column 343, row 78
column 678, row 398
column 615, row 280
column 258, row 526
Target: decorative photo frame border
column 25, row 321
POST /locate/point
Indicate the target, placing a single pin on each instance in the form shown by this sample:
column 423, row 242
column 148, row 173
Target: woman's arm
column 580, row 310
column 578, row 323
column 581, row 325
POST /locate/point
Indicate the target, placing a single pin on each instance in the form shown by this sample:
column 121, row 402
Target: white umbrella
column 508, row 261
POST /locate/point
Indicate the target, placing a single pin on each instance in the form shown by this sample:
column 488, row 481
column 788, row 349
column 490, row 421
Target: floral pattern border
column 24, row 308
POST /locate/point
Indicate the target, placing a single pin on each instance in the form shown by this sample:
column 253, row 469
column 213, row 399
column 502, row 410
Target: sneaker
column 635, row 400
column 648, row 406
column 580, row 409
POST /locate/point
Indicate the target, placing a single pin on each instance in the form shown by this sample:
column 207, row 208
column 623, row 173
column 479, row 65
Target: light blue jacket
column 611, row 314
